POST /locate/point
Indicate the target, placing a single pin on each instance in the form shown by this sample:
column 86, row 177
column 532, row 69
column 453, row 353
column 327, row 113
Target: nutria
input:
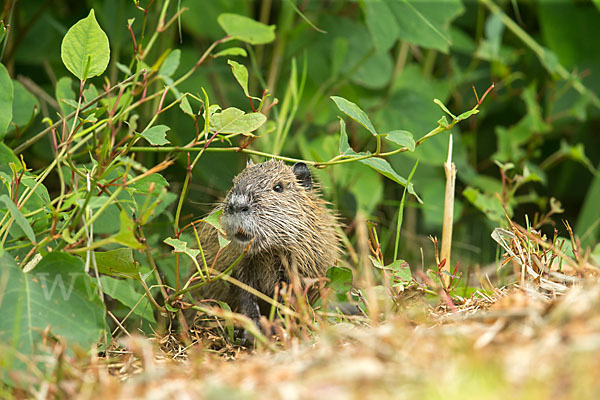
column 275, row 212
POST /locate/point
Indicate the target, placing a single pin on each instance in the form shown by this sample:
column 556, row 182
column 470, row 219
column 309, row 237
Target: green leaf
column 402, row 138
column 25, row 105
column 180, row 246
column 381, row 23
column 246, row 29
column 19, row 217
column 354, row 112
column 169, row 66
column 374, row 72
column 232, row 51
column 124, row 292
column 185, row 106
column 587, row 227
column 85, row 50
column 6, row 100
column 234, row 120
column 576, row 153
column 57, row 294
column 156, row 135
column 118, row 263
column 126, row 235
column 241, row 75
column 156, row 181
column 65, row 95
column 338, row 55
column 344, row 146
column 401, row 271
column 365, row 184
column 443, row 107
column 340, row 279
column 442, row 122
column 488, row 204
column 425, row 24
column 384, row 168
column 7, row 156
column 214, row 220
column 90, row 93
column 467, row 114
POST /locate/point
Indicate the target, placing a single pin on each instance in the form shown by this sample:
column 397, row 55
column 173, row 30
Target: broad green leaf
column 577, row 154
column 401, row 271
column 124, row 292
column 399, row 268
column 7, row 156
column 354, row 112
column 65, row 95
column 375, row 71
column 40, row 197
column 118, row 263
column 488, row 204
column 587, row 227
column 156, row 181
column 365, row 184
column 85, row 50
column 180, row 246
column 241, row 75
column 381, row 23
column 6, row 100
column 338, row 55
column 156, row 135
column 246, row 29
column 234, row 120
column 56, row 295
column 25, row 105
column 185, row 106
column 340, row 279
column 126, row 235
column 20, row 219
column 384, row 168
column 232, row 51
column 123, row 68
column 214, row 219
column 344, row 146
column 169, row 66
column 425, row 24
column 402, row 138
column 90, row 93
column 565, row 28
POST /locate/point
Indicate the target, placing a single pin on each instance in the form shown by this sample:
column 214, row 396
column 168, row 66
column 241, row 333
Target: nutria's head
column 273, row 205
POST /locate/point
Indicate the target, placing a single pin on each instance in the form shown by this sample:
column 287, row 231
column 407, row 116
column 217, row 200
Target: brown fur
column 293, row 234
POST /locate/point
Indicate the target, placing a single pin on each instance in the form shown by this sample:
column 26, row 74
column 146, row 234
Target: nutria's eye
column 278, row 188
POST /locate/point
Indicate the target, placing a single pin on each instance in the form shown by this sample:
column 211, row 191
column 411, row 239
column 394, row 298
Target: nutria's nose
column 237, row 204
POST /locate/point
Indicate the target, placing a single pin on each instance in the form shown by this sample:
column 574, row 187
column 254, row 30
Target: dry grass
column 537, row 339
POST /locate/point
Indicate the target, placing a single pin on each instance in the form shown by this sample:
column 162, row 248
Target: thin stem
column 541, row 53
column 37, row 137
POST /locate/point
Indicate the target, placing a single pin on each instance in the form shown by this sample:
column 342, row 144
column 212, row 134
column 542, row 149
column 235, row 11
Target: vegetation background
column 531, row 153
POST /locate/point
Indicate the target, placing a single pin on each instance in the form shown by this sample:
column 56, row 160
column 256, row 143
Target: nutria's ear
column 249, row 162
column 303, row 175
